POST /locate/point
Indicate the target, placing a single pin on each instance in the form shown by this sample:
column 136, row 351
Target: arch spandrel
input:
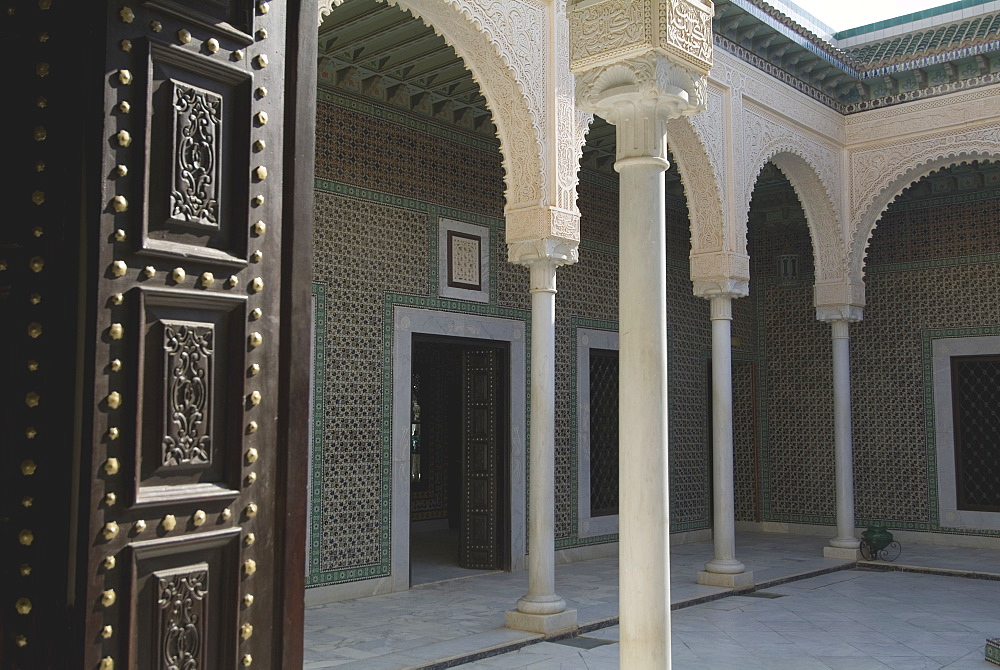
column 880, row 174
column 814, row 172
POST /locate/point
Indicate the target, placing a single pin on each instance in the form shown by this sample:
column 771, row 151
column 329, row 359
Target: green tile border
column 317, row 442
column 434, row 213
column 956, row 261
column 928, row 338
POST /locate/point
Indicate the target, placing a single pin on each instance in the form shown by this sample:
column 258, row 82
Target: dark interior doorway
column 459, row 456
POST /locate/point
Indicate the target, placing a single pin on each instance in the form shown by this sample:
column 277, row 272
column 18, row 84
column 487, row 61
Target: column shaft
column 541, row 597
column 644, row 544
column 723, row 494
column 843, row 446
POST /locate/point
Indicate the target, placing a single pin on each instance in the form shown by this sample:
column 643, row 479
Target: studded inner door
column 480, row 467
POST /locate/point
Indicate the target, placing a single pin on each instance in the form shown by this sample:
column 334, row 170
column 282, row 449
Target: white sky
column 844, row 14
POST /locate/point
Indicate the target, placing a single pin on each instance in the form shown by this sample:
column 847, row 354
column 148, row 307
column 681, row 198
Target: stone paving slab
column 440, row 624
column 923, row 622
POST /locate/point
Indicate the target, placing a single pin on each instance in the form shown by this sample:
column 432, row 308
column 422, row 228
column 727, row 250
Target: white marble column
column 644, row 514
column 541, row 610
column 723, row 570
column 846, row 544
column 637, row 81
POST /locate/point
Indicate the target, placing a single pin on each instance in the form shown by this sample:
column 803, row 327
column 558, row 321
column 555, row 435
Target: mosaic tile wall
column 588, row 295
column 588, row 289
column 354, row 241
column 795, row 382
column 927, row 264
column 363, row 144
column 381, row 184
column 745, row 471
column 929, row 267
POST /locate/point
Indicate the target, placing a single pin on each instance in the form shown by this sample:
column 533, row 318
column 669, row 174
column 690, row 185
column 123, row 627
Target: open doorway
column 459, row 456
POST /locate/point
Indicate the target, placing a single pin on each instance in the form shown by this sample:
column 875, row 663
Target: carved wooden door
column 183, row 199
column 480, row 466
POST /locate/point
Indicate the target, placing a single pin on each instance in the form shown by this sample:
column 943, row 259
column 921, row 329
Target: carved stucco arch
column 829, row 254
column 702, row 181
column 880, row 174
column 497, row 41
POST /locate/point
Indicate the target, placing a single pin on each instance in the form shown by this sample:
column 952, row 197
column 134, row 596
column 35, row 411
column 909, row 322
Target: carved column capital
column 639, row 63
column 839, row 301
column 838, row 292
column 839, row 313
column 721, row 288
column 545, row 250
column 720, row 272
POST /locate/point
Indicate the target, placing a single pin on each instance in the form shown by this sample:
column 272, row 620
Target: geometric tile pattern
column 354, row 242
column 588, row 290
column 926, row 268
column 912, row 288
column 795, row 380
column 745, row 470
column 437, row 163
column 360, row 233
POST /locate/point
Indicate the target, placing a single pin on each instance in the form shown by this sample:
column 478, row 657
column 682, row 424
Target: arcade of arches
column 813, row 265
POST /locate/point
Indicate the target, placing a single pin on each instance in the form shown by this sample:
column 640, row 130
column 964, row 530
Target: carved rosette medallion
column 188, row 351
column 182, row 601
column 194, row 198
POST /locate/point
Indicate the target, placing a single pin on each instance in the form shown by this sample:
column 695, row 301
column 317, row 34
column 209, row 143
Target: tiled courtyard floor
column 845, row 618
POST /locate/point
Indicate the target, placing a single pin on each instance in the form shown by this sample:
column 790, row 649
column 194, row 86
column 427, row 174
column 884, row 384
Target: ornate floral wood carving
column 188, row 351
column 197, row 120
column 182, row 600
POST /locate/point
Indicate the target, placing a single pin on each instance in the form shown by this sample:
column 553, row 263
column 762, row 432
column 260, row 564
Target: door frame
column 409, row 321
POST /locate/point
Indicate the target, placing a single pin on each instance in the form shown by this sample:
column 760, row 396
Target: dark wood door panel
column 191, row 384
column 147, row 332
column 179, row 596
column 183, row 503
column 197, row 197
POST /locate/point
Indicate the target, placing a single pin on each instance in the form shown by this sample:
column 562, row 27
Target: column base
column 842, row 553
column 740, row 580
column 545, row 624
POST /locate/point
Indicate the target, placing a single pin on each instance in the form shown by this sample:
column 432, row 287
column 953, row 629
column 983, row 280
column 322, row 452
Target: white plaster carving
column 716, row 266
column 931, row 115
column 721, row 288
column 531, row 223
column 560, row 252
column 702, row 181
column 326, row 6
column 838, row 293
column 610, row 31
column 879, row 173
column 813, row 168
column 518, row 53
column 757, row 86
column 650, row 78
